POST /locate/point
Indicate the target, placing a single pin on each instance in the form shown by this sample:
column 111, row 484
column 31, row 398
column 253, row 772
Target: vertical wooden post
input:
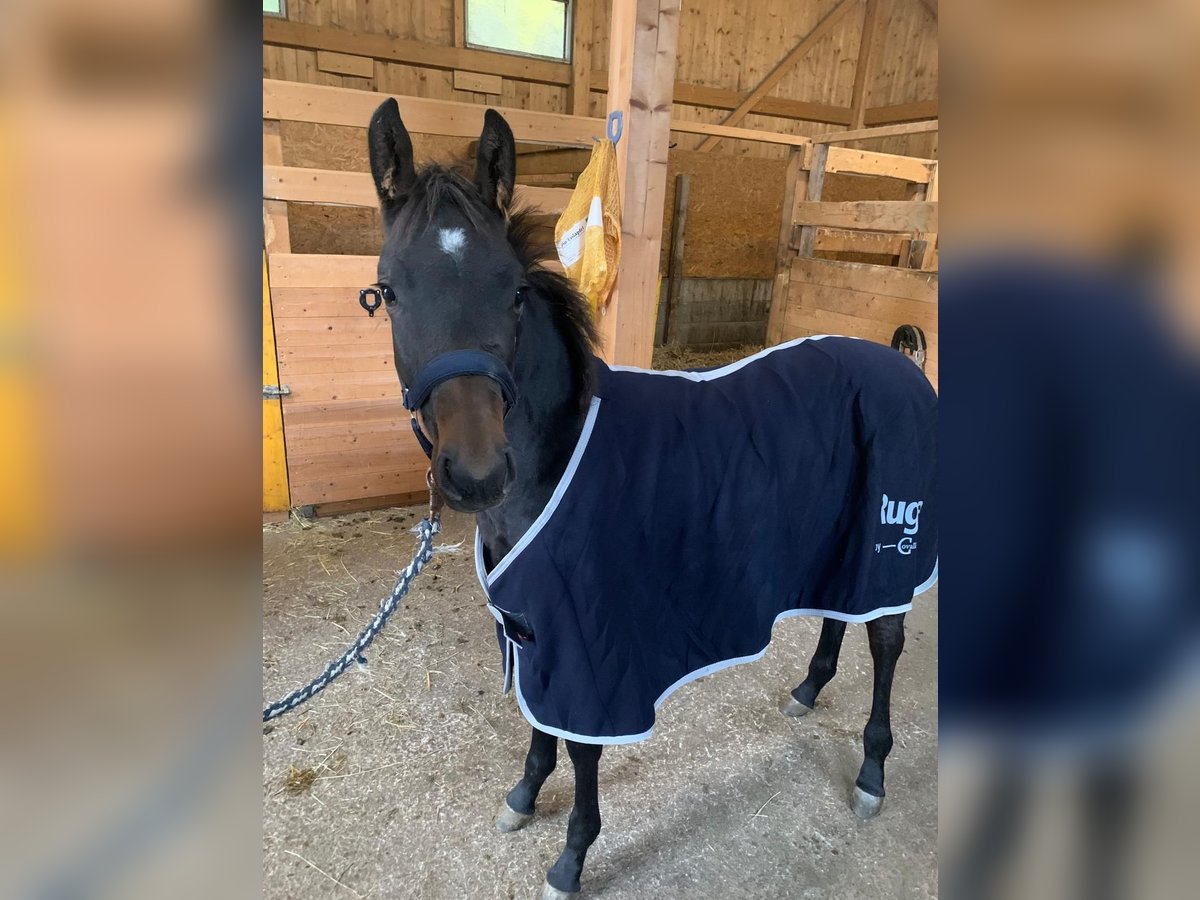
column 641, row 84
column 276, row 236
column 276, row 239
column 816, row 183
column 581, row 56
column 929, row 251
column 683, row 187
column 862, row 69
column 795, row 185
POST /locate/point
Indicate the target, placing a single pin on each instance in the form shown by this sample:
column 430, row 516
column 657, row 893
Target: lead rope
column 426, row 529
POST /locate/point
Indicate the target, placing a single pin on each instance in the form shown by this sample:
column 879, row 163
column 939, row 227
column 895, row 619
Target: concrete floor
column 386, row 784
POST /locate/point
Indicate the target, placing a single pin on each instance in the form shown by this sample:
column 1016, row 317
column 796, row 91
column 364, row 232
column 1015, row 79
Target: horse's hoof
column 508, row 819
column 864, row 805
column 549, row 892
column 794, row 708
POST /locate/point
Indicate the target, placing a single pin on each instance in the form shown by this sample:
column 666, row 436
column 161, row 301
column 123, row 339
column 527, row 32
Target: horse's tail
column 910, row 340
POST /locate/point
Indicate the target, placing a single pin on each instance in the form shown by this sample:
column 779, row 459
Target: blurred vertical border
column 130, row 329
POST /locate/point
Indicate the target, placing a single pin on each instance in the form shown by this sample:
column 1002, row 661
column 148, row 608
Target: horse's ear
column 496, row 162
column 391, row 158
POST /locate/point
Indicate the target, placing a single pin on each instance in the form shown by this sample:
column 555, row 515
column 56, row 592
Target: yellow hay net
column 588, row 233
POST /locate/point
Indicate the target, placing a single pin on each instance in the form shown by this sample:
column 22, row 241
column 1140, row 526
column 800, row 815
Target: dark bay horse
column 497, row 356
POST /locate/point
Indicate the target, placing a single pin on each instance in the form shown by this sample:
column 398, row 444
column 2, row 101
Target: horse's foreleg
column 517, row 808
column 584, row 824
column 822, row 668
column 886, row 636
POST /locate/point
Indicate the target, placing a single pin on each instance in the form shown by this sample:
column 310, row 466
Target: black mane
column 437, row 185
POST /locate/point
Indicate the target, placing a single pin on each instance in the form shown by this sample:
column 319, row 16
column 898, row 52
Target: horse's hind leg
column 820, row 670
column 886, row 636
column 583, row 827
column 517, row 808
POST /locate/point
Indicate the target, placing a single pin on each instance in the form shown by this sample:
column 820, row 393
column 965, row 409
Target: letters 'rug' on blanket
column 698, row 509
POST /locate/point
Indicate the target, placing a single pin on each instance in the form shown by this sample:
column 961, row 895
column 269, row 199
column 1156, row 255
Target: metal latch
column 273, row 391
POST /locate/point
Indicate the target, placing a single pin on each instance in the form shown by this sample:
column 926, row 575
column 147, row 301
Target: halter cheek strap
column 454, row 364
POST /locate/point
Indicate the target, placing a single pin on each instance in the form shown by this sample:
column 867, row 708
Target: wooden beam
column 642, row 40
column 816, row 184
column 764, row 87
column 460, row 23
column 928, row 255
column 336, row 188
column 741, row 134
column 683, row 187
column 871, row 215
column 795, row 183
column 862, row 68
column 863, row 134
column 346, row 106
column 902, row 112
column 581, row 56
column 845, row 161
column 345, row 64
column 276, row 234
column 415, row 53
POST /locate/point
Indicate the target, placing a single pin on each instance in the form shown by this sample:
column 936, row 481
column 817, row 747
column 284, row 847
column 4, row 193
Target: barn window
column 275, row 8
column 528, row 27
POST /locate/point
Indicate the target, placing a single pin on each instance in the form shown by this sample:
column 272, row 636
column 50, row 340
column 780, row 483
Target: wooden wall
column 724, row 45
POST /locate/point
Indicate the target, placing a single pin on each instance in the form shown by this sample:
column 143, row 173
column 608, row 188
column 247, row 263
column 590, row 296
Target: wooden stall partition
column 829, row 277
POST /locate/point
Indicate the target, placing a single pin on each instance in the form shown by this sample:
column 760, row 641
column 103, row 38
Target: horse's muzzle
column 473, row 485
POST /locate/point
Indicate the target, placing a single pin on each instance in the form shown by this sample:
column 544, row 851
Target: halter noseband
column 453, row 365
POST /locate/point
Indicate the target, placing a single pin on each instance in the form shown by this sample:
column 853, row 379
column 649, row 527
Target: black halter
column 452, row 365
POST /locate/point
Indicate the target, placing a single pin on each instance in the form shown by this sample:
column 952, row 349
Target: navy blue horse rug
column 700, row 508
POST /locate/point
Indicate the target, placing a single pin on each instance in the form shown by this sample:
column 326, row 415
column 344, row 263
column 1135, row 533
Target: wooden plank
column 928, row 257
column 901, row 112
column 345, row 64
column 768, row 83
column 741, row 134
column 795, row 184
column 478, row 82
column 891, row 311
column 553, row 162
column 641, row 80
column 862, row 68
column 816, row 183
column 460, row 23
column 276, row 234
column 275, row 496
column 872, row 215
column 346, row 106
column 831, row 241
column 863, row 134
column 801, row 321
column 702, row 95
column 336, row 188
column 322, row 270
column 846, row 161
column 284, row 33
column 683, row 186
column 887, row 280
column 581, row 57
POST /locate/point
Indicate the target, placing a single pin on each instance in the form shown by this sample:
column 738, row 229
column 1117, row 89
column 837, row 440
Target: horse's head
column 451, row 281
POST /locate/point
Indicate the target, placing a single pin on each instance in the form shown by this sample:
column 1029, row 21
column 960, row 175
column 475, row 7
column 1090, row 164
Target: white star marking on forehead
column 452, row 241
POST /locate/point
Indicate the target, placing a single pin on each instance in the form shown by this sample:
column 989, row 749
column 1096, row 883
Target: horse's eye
column 389, row 296
column 519, row 299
